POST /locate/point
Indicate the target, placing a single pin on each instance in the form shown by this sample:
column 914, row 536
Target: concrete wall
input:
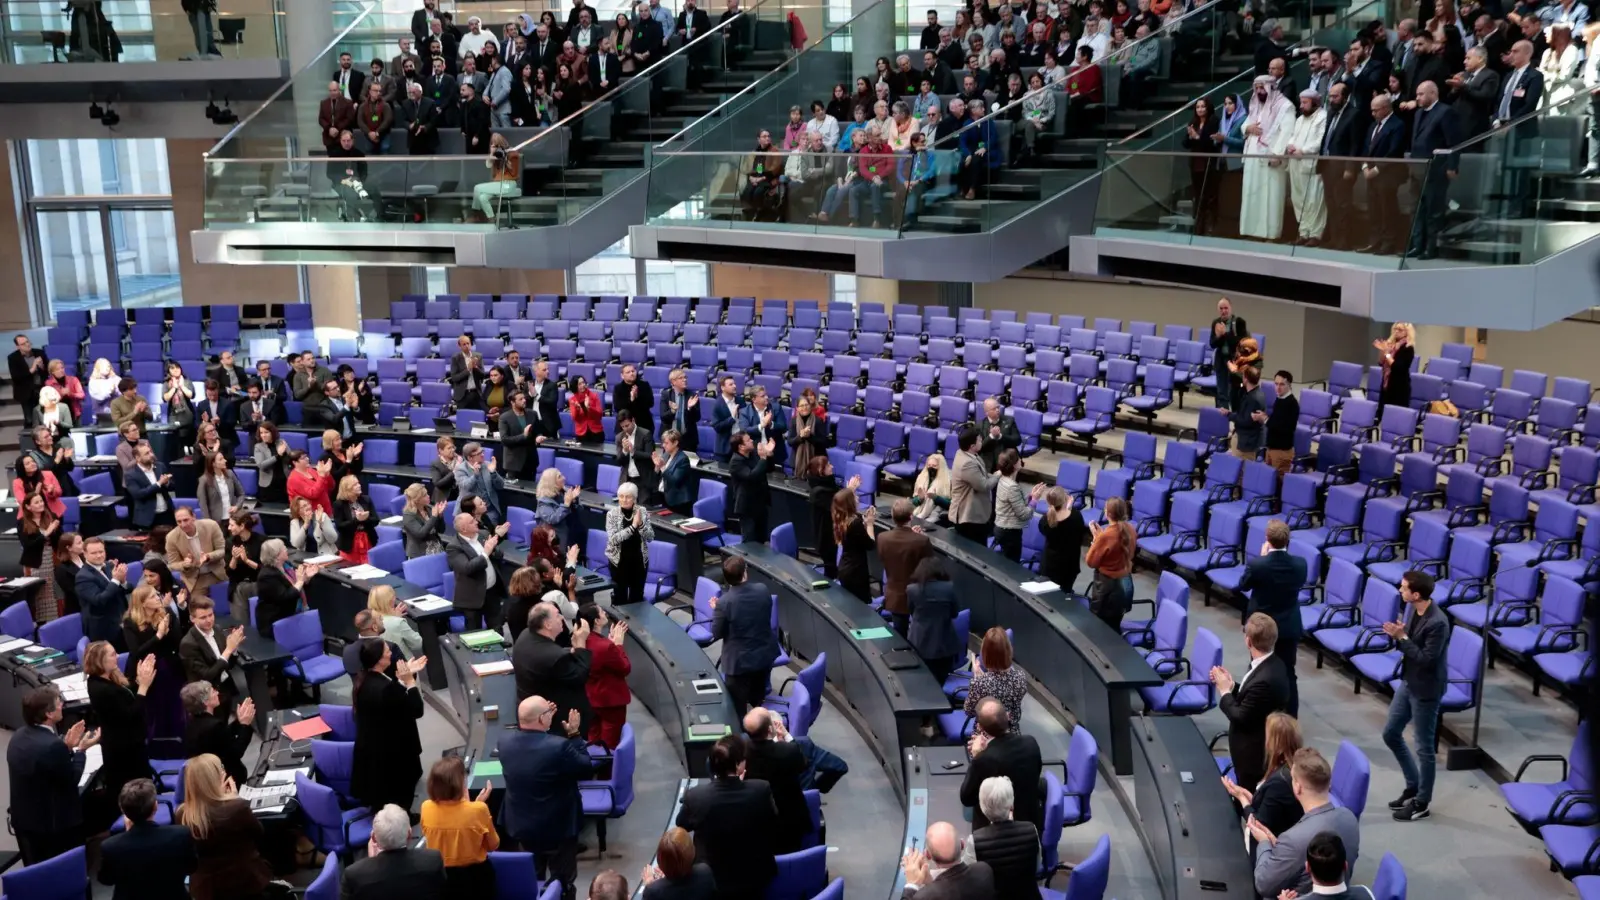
column 766, row 283
column 207, row 283
column 1566, row 348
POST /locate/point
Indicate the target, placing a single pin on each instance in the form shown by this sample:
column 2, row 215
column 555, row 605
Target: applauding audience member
column 997, row 749
column 734, row 822
column 607, row 687
column 1280, row 859
column 939, row 873
column 146, row 860
column 226, row 833
column 46, row 811
column 211, row 731
column 387, row 705
column 776, row 758
column 1248, row 701
column 675, row 875
column 461, row 829
column 1010, row 848
column 118, row 707
column 393, row 867
column 542, row 768
column 1272, row 801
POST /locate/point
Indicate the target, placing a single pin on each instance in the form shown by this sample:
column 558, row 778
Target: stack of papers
column 92, row 760
column 23, row 580
column 363, row 572
column 272, row 798
column 428, row 603
column 101, row 459
column 502, row 667
column 324, row 559
column 73, row 687
column 392, row 520
column 284, row 776
column 1039, row 587
column 428, row 430
column 11, row 643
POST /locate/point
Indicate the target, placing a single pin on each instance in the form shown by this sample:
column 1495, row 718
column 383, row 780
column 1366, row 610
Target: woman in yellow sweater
column 461, row 830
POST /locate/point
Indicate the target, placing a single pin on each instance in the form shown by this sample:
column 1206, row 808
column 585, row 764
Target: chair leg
column 600, row 835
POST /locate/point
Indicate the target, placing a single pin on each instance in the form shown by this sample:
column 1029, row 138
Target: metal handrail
column 638, row 77
column 1185, row 108
column 283, row 88
column 785, row 64
column 1124, row 50
column 1582, row 96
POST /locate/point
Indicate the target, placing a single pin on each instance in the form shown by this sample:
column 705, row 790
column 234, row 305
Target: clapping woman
column 40, row 531
column 119, row 712
column 387, row 705
column 271, row 455
column 628, row 533
column 355, row 521
column 152, row 627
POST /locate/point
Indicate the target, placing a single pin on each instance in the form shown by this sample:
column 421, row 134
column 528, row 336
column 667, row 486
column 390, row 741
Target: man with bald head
column 1434, row 128
column 334, row 115
column 778, row 760
column 1385, row 139
column 938, row 872
column 547, row 669
column 901, row 549
column 609, row 885
column 998, row 749
column 1521, row 90
column 542, row 762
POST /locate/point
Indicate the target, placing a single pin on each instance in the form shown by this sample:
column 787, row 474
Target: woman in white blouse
column 54, row 413
column 1560, row 66
column 102, row 387
column 220, row 489
column 305, row 519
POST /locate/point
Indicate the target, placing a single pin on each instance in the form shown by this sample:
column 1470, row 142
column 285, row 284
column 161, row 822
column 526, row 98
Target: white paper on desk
column 23, row 580
column 14, row 644
column 425, row 603
column 364, row 572
column 494, row 668
column 92, row 759
column 324, row 559
column 73, row 687
column 428, row 430
column 9, row 531
column 392, row 520
column 1039, row 587
column 692, row 522
column 100, row 459
column 270, row 810
column 284, row 776
column 88, row 498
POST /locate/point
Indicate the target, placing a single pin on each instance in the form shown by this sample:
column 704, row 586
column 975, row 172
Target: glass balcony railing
column 53, row 31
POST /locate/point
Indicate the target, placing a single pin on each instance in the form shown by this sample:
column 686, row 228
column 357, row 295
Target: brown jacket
column 900, row 550
column 340, row 114
column 230, row 863
column 178, row 547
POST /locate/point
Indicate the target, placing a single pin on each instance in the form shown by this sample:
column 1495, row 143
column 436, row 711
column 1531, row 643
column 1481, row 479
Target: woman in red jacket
column 608, row 676
column 584, row 405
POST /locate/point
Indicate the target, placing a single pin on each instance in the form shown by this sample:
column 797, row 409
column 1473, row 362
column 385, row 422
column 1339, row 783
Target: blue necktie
column 1505, row 98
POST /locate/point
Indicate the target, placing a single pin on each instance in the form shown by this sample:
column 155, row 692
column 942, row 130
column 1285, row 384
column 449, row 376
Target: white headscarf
column 1266, row 113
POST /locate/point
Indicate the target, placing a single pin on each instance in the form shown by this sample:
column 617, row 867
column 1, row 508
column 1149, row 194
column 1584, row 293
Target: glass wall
column 98, row 217
column 614, row 271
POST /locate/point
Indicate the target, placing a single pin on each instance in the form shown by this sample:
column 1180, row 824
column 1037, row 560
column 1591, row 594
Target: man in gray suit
column 516, row 435
column 472, row 557
column 464, row 376
column 971, row 488
column 1281, row 859
column 307, row 383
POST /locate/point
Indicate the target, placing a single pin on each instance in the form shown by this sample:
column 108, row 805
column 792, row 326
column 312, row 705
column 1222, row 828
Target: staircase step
column 584, row 176
column 575, row 189
column 615, row 161
column 1013, row 192
column 947, row 224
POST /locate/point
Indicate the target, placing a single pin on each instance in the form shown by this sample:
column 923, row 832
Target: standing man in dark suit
column 229, row 375
column 272, row 387
column 1435, row 128
column 635, row 454
column 514, row 373
column 476, row 122
column 955, row 879
column 901, row 549
column 516, row 436
column 542, row 769
column 1274, row 580
column 1227, row 330
column 146, row 861
column 742, row 620
column 1342, row 137
column 997, row 750
column 544, row 400
column 1474, row 94
column 1366, row 78
column 999, row 432
column 1385, row 139
column 605, row 67
column 752, row 496
column 394, row 869
column 1521, row 91
column 258, row 407
column 442, row 90
column 636, row 397
column 693, row 22
column 217, row 407
column 29, row 369
column 145, row 482
column 351, row 81
column 1423, row 639
column 777, row 759
column 543, row 667
column 725, row 417
column 420, row 116
column 464, row 376
column 420, row 19
column 734, row 821
column 335, row 114
column 680, row 410
column 1261, row 691
column 208, row 656
column 473, row 559
column 46, row 811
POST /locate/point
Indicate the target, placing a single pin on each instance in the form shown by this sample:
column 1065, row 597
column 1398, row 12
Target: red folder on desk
column 305, row 729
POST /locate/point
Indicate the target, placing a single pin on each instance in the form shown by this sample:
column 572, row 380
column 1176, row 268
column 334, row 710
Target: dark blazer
column 1015, row 756
column 414, row 873
column 959, row 882
column 613, row 71
column 44, row 781
column 345, row 522
column 699, row 884
column 218, row 373
column 551, row 671
column 932, row 631
column 752, row 494
column 271, row 411
column 142, row 494
column 1343, row 135
column 642, row 447
column 542, row 771
column 517, row 443
column 1222, row 348
column 1274, row 804
column 358, row 83
column 1531, row 86
column 900, row 550
column 1474, row 101
column 230, row 863
column 1247, row 707
column 463, row 376
column 215, row 733
column 743, row 622
column 750, row 420
column 199, row 663
column 548, row 421
column 26, row 381
column 723, row 423
column 388, row 751
column 103, row 602
column 689, row 438
column 1423, row 653
column 421, row 119
column 445, row 94
column 148, row 862
column 735, row 826
column 1436, row 129
column 1385, row 141
column 676, row 485
column 471, row 570
column 1274, row 583
column 279, row 598
column 1419, row 68
column 119, row 714
column 637, row 398
column 781, row 764
column 475, row 124
column 444, row 479
column 224, row 414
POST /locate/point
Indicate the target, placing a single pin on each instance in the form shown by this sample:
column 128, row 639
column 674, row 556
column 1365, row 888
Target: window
column 611, row 271
column 437, row 280
column 667, row 278
column 842, row 289
column 94, row 168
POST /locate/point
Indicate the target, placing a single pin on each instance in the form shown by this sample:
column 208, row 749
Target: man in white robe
column 1266, row 179
column 1305, row 185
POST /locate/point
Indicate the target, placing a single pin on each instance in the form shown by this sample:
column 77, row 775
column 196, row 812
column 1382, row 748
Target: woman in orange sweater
column 1111, row 556
column 461, row 830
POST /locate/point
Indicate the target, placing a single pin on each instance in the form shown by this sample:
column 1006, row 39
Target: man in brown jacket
column 901, row 549
column 334, row 115
column 194, row 552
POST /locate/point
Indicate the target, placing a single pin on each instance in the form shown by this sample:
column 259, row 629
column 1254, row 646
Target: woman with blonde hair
column 396, row 627
column 1111, row 555
column 422, row 523
column 355, row 520
column 1396, row 354
column 505, row 177
column 1272, row 802
column 103, row 382
column 310, row 525
column 995, row 675
column 227, row 835
column 931, row 490
column 152, row 628
column 462, row 830
column 556, row 503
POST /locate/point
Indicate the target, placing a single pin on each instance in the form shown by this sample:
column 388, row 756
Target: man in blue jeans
column 1422, row 638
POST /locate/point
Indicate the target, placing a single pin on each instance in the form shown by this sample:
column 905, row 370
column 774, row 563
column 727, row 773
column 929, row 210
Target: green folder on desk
column 477, row 640
column 485, row 768
column 29, row 659
column 870, row 634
